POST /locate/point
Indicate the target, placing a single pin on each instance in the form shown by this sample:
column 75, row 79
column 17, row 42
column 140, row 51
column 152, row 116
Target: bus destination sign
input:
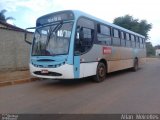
column 54, row 17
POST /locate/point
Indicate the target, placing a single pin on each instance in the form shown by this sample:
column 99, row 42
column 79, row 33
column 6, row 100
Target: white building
column 157, row 52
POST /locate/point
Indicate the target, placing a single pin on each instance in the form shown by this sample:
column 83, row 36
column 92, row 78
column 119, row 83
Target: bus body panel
column 88, row 69
column 119, row 57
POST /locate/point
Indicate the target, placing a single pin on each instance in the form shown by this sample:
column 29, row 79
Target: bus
column 71, row 44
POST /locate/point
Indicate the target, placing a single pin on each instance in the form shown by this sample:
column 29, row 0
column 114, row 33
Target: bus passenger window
column 144, row 44
column 103, row 34
column 122, row 35
column 116, row 37
column 137, row 42
column 141, row 42
column 123, row 42
column 105, row 30
column 128, row 41
column 115, row 33
column 127, row 36
column 133, row 41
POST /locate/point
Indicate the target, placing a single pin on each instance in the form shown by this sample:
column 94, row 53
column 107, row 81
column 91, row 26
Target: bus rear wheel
column 135, row 66
column 101, row 72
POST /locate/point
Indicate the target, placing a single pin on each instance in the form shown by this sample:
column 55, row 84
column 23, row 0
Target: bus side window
column 123, row 42
column 133, row 41
column 128, row 41
column 116, row 37
column 141, row 42
column 137, row 42
column 104, row 34
column 144, row 43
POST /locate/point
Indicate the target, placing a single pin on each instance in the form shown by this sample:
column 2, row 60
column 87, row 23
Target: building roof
column 10, row 27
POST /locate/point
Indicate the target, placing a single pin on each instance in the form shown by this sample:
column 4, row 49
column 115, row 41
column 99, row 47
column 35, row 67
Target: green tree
column 3, row 17
column 128, row 22
column 150, row 49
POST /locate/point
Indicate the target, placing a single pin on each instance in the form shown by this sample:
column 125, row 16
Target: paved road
column 121, row 92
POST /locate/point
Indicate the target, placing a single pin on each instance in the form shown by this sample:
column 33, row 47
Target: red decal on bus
column 107, row 50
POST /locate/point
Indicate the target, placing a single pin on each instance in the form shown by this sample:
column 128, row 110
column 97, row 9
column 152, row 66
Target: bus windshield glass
column 52, row 40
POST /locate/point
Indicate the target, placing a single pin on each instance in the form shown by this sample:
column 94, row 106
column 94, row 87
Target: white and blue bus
column 71, row 44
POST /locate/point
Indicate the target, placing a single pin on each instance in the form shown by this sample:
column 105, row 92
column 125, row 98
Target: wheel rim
column 101, row 72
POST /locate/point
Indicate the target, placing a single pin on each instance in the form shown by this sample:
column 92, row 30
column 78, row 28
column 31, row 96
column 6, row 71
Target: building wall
column 14, row 52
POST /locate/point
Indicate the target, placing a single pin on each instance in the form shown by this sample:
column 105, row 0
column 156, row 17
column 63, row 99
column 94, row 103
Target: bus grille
column 47, row 74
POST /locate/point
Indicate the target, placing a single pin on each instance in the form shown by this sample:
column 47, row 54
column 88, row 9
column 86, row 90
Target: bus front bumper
column 65, row 71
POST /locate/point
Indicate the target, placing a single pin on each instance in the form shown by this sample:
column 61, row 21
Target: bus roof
column 78, row 13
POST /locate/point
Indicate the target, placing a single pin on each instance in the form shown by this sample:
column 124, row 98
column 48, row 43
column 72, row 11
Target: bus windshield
column 52, row 40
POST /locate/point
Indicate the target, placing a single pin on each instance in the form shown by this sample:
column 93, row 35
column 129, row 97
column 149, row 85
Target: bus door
column 83, row 42
column 77, row 53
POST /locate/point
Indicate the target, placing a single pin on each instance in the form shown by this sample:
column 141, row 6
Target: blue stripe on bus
column 71, row 47
column 76, row 67
column 45, row 61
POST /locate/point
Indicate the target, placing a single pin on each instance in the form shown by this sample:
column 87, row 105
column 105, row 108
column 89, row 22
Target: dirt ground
column 122, row 92
column 14, row 75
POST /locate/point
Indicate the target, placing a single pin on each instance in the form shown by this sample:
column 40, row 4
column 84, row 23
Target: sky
column 26, row 12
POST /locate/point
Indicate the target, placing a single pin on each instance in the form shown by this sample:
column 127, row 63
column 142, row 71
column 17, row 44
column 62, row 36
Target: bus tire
column 136, row 65
column 100, row 72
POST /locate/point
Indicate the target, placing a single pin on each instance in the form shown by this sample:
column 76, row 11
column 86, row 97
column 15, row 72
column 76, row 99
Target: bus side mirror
column 25, row 38
column 25, row 35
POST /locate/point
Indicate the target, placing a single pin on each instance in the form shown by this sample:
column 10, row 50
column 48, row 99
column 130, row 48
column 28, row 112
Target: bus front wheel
column 100, row 73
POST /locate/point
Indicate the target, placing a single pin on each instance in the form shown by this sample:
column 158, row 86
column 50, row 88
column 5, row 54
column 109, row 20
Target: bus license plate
column 44, row 71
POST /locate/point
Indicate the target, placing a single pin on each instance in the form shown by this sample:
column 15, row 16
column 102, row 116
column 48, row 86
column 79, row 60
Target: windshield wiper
column 57, row 27
column 53, row 30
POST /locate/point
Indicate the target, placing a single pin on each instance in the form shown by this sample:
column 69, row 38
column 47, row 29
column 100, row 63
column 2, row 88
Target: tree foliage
column 157, row 47
column 150, row 49
column 128, row 22
column 3, row 17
